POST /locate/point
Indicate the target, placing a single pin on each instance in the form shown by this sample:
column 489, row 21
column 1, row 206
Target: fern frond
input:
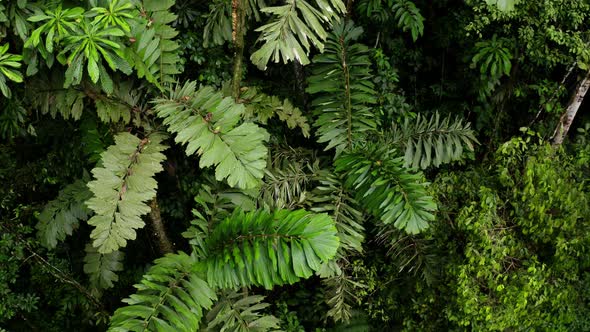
column 102, row 268
column 48, row 96
column 62, row 215
column 122, row 186
column 263, row 249
column 343, row 89
column 431, row 141
column 240, row 313
column 286, row 187
column 170, row 297
column 208, row 122
column 341, row 296
column 118, row 105
column 218, row 201
column 95, row 138
column 330, row 197
column 387, row 189
column 155, row 53
column 215, row 201
column 411, row 254
column 262, row 107
column 289, row 37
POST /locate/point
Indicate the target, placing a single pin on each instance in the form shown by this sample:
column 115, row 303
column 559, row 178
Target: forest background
column 296, row 165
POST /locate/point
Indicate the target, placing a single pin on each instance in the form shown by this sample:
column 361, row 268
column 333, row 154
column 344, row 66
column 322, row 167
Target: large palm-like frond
column 342, row 89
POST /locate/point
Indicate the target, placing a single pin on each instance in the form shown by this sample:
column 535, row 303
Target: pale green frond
column 61, row 216
column 295, row 26
column 102, row 268
column 123, row 183
column 208, row 123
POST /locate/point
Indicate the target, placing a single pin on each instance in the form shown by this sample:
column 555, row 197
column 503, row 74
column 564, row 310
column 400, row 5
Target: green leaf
column 341, row 83
column 61, row 216
column 295, row 26
column 207, row 122
column 122, row 186
column 170, row 297
column 255, row 240
column 424, row 137
column 102, row 268
column 386, row 189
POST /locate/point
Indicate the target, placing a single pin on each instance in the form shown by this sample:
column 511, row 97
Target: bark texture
column 238, row 41
column 158, row 230
column 570, row 113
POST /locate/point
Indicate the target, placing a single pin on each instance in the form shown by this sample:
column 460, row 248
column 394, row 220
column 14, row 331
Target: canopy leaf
column 123, row 183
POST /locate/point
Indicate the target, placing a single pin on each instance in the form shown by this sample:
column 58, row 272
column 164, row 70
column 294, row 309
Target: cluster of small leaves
column 343, row 89
column 430, row 141
column 409, row 17
column 123, row 184
column 263, row 107
column 7, row 72
column 12, row 256
column 61, row 216
column 208, row 122
column 384, row 187
column 82, row 43
column 493, row 58
column 240, row 312
column 288, row 36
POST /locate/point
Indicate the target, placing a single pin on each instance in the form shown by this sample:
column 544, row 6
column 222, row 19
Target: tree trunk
column 300, row 83
column 570, row 113
column 158, row 230
column 348, row 9
column 238, row 40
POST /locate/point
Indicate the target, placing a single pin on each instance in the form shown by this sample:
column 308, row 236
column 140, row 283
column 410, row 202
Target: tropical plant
column 333, row 182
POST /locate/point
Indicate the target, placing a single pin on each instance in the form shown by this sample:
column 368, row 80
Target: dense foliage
column 294, row 165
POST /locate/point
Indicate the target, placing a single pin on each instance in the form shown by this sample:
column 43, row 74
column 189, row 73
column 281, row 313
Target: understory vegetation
column 294, row 165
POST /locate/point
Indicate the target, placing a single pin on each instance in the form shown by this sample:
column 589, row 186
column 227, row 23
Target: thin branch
column 565, row 77
column 56, row 272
